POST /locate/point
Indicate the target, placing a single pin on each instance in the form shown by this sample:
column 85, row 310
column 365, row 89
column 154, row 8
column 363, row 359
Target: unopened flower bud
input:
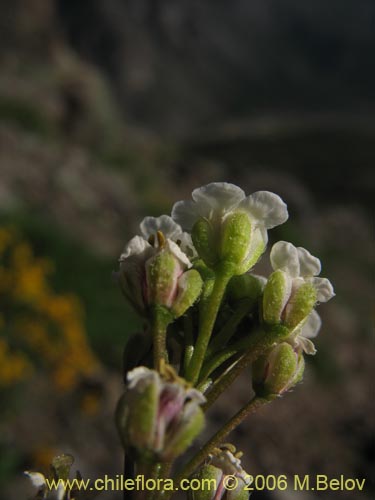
column 189, row 287
column 278, row 371
column 275, row 295
column 302, row 301
column 159, row 416
column 162, row 273
column 235, row 239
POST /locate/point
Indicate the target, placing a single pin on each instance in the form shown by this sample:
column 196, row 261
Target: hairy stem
column 160, row 320
column 261, row 343
column 207, row 323
column 251, row 407
column 228, row 330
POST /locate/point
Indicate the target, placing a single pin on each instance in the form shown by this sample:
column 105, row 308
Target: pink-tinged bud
column 157, row 276
column 159, row 416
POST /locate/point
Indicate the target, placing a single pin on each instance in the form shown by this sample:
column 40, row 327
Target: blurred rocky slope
column 179, row 63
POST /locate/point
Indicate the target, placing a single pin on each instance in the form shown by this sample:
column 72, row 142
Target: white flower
column 216, row 200
column 300, row 267
column 215, row 203
column 172, row 231
column 293, row 290
column 155, row 271
column 140, row 250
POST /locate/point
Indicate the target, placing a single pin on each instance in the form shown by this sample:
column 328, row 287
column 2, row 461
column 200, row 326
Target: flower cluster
column 208, row 316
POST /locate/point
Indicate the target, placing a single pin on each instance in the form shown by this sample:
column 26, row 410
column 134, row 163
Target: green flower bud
column 278, row 371
column 158, row 417
column 300, row 305
column 235, row 238
column 275, row 295
column 205, row 243
column 287, row 300
column 232, row 246
column 162, row 273
column 189, row 288
column 61, row 465
column 136, row 413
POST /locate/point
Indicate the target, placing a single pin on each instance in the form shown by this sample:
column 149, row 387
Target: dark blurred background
column 112, row 110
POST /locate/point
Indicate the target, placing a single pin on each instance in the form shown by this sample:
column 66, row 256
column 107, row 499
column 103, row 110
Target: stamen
column 161, row 239
column 151, row 240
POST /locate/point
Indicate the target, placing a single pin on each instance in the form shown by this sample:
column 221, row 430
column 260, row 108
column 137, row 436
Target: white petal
column 267, row 208
column 309, row 265
column 141, row 376
column 37, row 479
column 195, row 395
column 306, row 345
column 186, row 213
column 177, row 252
column 186, row 245
column 218, row 196
column 312, row 325
column 284, row 256
column 324, row 289
column 151, row 225
column 136, row 246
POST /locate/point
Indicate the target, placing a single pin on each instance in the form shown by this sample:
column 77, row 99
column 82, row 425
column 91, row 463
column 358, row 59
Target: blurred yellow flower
column 39, row 329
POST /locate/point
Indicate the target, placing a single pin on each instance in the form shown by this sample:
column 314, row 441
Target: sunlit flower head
column 235, row 225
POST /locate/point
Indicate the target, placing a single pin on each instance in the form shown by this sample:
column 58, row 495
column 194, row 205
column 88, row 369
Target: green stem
column 207, row 323
column 189, row 341
column 164, row 473
column 149, row 471
column 160, row 320
column 261, row 343
column 228, row 330
column 213, row 363
column 155, row 474
column 205, row 385
column 241, row 345
column 251, row 407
